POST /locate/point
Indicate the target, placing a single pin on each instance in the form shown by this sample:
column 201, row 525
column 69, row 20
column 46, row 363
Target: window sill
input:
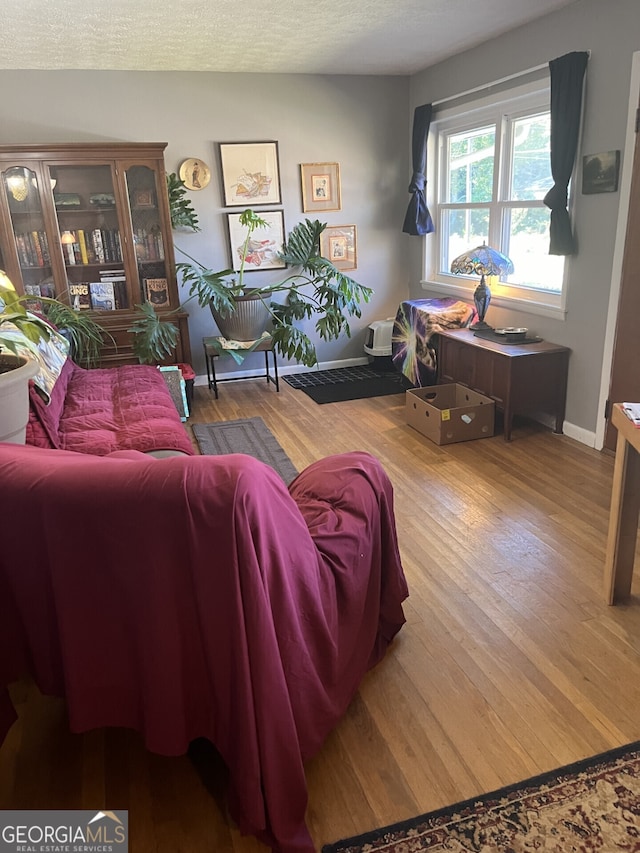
column 528, row 306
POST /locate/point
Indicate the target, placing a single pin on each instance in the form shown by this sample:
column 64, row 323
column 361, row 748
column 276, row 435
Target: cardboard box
column 450, row 413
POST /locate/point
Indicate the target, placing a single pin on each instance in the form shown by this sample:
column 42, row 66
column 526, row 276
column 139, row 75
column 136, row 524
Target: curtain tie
column 418, row 182
column 556, row 198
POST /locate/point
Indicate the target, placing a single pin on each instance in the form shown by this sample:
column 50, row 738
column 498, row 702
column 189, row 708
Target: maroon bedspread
column 196, row 597
column 104, row 410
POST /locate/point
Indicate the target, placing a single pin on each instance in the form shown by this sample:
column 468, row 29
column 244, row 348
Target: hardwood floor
column 510, row 663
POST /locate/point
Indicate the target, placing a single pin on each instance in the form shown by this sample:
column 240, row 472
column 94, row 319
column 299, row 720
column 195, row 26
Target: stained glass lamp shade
column 483, row 260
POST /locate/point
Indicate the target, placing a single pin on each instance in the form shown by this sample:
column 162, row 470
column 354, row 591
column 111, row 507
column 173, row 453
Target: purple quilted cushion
column 44, row 419
column 121, row 408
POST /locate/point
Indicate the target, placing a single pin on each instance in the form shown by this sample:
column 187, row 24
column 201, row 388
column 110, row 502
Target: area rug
column 592, row 805
column 347, row 383
column 248, row 435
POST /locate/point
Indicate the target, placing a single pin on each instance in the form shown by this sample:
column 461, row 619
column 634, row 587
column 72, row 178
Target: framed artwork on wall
column 338, row 245
column 250, row 173
column 600, row 172
column 264, row 246
column 320, row 186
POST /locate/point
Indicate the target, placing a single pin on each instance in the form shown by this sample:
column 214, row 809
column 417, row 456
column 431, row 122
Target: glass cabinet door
column 23, row 194
column 147, row 235
column 89, row 234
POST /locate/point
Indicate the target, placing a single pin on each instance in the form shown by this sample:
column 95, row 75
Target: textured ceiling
column 273, row 36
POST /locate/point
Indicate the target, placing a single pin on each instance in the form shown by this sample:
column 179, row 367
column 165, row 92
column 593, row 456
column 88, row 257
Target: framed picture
column 250, row 173
column 338, row 245
column 320, row 186
column 600, row 172
column 143, row 198
column 264, row 246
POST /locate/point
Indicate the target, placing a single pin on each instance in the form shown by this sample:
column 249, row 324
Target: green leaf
column 182, row 213
column 153, row 339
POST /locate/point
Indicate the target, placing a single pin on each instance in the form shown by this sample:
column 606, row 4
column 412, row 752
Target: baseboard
column 287, row 369
column 584, row 436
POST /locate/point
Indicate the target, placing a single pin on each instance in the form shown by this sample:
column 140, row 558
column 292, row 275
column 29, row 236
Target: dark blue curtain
column 567, row 77
column 418, row 219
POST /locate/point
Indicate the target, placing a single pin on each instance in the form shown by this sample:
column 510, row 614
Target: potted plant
column 153, row 339
column 313, row 286
column 183, row 216
column 15, row 369
column 83, row 333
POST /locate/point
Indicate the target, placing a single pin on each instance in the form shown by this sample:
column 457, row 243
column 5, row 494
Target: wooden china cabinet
column 89, row 224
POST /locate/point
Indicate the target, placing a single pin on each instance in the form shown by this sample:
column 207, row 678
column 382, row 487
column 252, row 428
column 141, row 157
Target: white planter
column 14, row 397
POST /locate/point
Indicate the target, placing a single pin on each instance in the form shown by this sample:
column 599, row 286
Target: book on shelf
column 118, row 279
column 45, row 247
column 80, row 296
column 103, row 297
column 33, row 304
column 98, row 247
column 113, row 275
column 32, row 248
column 149, row 246
column 21, row 246
column 156, row 291
column 70, row 255
column 82, row 242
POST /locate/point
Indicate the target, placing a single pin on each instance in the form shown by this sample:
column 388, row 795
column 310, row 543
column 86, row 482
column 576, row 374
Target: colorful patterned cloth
column 413, row 351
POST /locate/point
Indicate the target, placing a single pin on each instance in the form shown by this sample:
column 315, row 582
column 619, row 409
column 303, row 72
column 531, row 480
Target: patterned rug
column 248, row 435
column 592, row 805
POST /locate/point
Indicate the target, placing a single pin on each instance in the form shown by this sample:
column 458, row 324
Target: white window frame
column 491, row 109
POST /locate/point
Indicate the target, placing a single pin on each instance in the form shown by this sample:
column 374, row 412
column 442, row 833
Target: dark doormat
column 347, row 383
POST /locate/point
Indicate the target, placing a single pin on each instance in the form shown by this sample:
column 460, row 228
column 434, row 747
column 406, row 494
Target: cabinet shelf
column 39, row 239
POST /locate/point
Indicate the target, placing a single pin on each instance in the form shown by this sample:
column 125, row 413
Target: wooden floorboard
column 510, row 663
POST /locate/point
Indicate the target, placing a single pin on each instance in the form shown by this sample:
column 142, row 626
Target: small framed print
column 195, row 174
column 250, row 173
column 338, row 245
column 265, row 245
column 320, row 186
column 143, row 198
column 600, row 172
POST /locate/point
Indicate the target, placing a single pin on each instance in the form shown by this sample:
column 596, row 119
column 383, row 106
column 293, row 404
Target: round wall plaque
column 195, row 174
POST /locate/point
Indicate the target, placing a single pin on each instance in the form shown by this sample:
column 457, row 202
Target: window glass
column 471, row 162
column 492, row 172
column 531, row 172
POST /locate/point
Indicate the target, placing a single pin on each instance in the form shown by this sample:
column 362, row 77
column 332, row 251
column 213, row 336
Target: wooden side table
column 624, row 510
column 214, row 347
column 523, row 379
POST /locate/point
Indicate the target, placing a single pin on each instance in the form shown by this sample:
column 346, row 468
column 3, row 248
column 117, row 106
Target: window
column 492, row 171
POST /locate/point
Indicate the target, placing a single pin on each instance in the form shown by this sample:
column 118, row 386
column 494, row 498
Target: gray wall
column 359, row 122
column 364, row 124
column 610, row 29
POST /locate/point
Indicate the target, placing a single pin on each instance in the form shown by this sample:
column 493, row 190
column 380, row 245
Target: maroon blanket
column 197, row 597
column 101, row 411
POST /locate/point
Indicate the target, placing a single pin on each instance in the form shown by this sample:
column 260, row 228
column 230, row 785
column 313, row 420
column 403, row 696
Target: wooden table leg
column 623, row 522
